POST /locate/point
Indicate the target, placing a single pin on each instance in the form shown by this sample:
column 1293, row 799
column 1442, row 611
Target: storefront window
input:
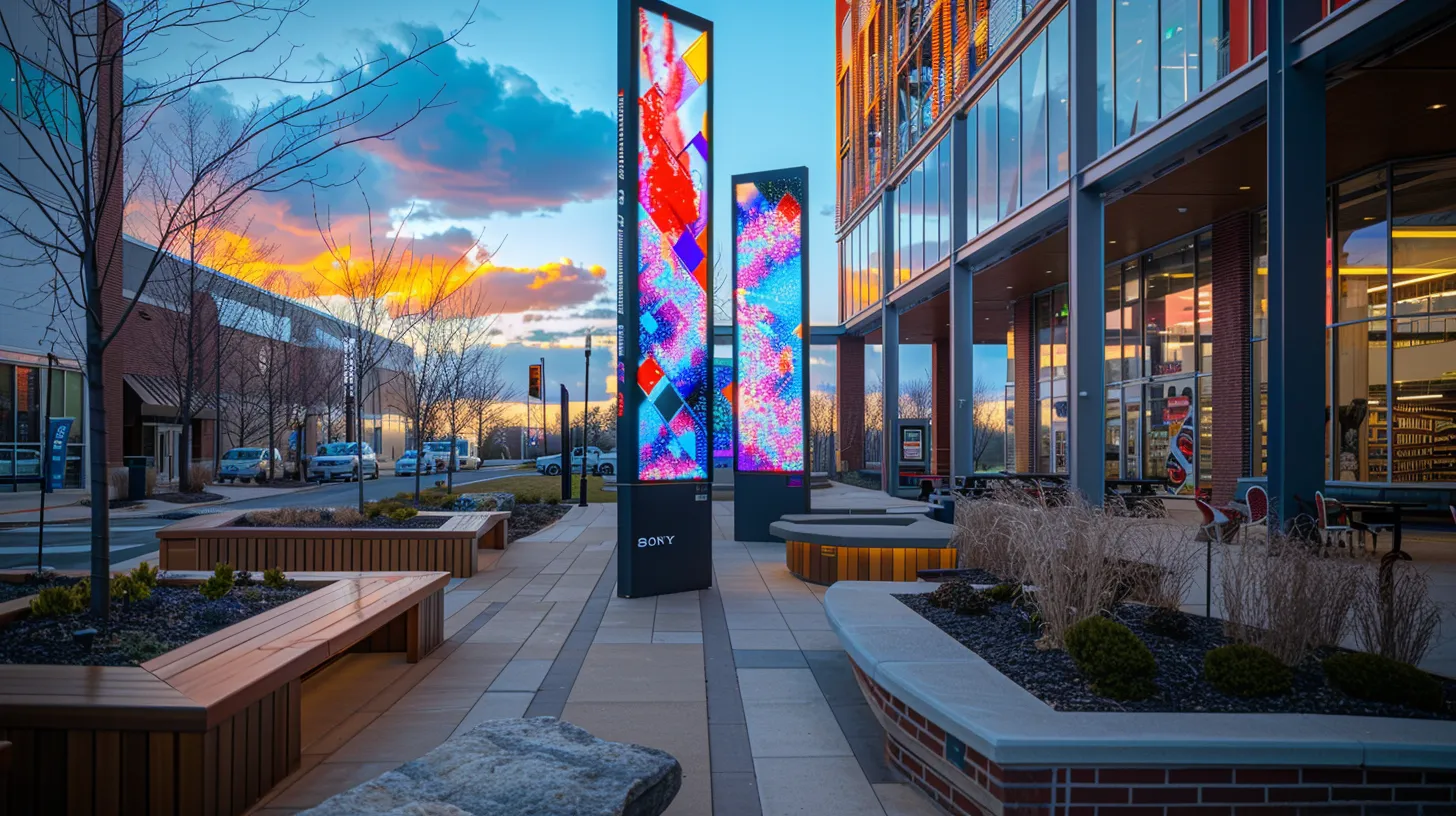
column 1359, row 387
column 1170, row 311
column 1105, row 90
column 987, row 138
column 1136, row 39
column 1033, row 120
column 1362, row 240
column 973, row 165
column 1423, row 234
column 1052, row 321
column 1113, row 441
column 1179, row 75
column 1058, row 101
column 1112, row 328
column 1008, row 90
column 1423, row 435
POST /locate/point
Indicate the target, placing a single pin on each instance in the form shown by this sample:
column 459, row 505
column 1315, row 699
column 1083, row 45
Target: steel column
column 962, row 316
column 890, row 371
column 1297, row 212
column 1086, row 291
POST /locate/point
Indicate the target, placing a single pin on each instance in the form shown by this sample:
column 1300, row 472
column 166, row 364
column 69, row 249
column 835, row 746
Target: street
column 68, row 546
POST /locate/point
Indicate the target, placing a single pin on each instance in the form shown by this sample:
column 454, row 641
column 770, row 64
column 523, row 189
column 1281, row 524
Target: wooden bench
column 207, row 728
column 203, row 542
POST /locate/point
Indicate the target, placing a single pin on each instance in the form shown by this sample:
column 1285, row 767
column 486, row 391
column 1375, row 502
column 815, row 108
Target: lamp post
column 585, row 415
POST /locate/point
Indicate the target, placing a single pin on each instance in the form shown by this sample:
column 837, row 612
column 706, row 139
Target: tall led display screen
column 665, row 377
column 770, row 304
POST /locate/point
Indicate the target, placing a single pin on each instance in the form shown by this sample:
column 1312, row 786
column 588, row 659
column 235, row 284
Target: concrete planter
column 977, row 742
column 201, row 543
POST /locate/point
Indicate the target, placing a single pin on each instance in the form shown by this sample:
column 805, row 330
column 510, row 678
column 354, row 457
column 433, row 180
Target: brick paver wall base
column 965, row 783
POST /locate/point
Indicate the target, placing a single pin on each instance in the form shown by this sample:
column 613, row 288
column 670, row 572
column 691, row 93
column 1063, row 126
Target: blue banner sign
column 60, row 431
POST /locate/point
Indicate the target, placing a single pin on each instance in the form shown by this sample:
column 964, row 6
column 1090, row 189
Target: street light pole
column 585, row 415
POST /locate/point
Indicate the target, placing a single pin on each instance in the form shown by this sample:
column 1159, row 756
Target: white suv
column 340, row 460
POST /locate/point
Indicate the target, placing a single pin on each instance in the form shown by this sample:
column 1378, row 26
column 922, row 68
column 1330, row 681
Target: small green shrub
column 1246, row 671
column 1118, row 665
column 54, row 602
column 224, row 572
column 961, row 597
column 1004, row 593
column 1381, row 679
column 81, row 591
column 251, row 594
column 553, row 500
column 273, row 578
column 214, row 588
column 145, row 574
column 403, row 513
column 127, row 589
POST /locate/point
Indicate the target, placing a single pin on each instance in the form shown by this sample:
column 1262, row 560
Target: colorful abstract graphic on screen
column 769, row 313
column 672, row 264
column 723, row 412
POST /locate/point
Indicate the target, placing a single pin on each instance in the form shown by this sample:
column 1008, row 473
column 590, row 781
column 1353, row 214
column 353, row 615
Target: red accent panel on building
column 849, row 403
column 1232, row 267
column 940, row 384
column 1025, row 382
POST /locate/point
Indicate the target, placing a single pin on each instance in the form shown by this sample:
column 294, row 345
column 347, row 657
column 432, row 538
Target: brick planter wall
column 1024, row 391
column 965, row 783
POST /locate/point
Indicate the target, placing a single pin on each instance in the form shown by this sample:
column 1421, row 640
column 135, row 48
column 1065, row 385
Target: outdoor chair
column 1334, row 522
column 1256, row 501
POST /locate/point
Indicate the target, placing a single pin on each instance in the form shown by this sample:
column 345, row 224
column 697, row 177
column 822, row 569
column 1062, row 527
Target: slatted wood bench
column 207, row 728
column 203, row 542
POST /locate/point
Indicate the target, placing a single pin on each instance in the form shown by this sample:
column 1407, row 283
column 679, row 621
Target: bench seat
column 208, row 727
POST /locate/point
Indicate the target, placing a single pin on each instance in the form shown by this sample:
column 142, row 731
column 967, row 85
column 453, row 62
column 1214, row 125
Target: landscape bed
column 1003, row 639
column 138, row 631
column 450, row 545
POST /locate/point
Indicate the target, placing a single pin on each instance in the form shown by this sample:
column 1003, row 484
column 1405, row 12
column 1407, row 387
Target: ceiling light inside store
column 1420, row 397
column 1436, row 106
column 1246, row 187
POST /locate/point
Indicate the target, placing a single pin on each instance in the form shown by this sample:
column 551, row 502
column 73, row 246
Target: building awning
column 159, row 397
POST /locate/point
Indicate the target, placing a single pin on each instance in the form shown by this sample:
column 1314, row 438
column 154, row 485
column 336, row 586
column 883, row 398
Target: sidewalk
column 743, row 683
column 24, row 508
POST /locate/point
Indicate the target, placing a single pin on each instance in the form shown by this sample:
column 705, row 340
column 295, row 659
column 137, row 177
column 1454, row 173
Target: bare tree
column 874, row 419
column 72, row 186
column 384, row 293
column 474, row 382
column 987, row 418
column 822, row 422
column 419, row 385
column 601, row 423
column 917, row 398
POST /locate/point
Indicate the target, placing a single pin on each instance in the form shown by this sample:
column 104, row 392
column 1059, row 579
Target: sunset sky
column 523, row 153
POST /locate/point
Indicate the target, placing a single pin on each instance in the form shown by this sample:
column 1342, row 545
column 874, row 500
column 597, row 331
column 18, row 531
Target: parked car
column 596, row 462
column 341, row 460
column 465, row 454
column 247, row 464
column 410, row 460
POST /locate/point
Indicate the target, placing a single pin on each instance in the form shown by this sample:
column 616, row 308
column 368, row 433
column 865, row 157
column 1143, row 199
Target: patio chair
column 1334, row 523
column 1256, row 501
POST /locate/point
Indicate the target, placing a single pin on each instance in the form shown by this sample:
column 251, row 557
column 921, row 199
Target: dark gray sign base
column 760, row 499
column 664, row 538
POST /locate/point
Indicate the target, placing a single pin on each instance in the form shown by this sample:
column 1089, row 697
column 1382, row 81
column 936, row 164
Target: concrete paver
column 540, row 629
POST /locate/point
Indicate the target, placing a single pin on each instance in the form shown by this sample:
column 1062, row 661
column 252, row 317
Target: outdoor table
column 1138, row 487
column 1393, row 508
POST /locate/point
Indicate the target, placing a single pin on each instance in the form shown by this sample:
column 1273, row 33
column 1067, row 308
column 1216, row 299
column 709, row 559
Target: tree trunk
column 100, row 481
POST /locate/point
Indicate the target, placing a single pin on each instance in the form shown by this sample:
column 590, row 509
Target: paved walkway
column 743, row 683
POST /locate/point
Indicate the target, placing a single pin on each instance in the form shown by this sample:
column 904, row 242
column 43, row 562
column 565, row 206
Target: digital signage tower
column 770, row 349
column 664, row 311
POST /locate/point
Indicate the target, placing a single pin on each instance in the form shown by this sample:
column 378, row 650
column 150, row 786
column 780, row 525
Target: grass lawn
column 540, row 488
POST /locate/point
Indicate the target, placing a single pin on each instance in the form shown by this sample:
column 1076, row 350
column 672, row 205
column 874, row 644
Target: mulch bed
column 136, row 633
column 376, row 523
column 528, row 519
column 188, row 498
column 31, row 585
column 1002, row 639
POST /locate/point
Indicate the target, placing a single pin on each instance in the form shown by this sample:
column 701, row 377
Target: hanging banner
column 55, row 463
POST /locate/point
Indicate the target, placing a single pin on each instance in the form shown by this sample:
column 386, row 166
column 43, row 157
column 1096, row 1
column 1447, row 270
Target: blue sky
column 524, row 152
